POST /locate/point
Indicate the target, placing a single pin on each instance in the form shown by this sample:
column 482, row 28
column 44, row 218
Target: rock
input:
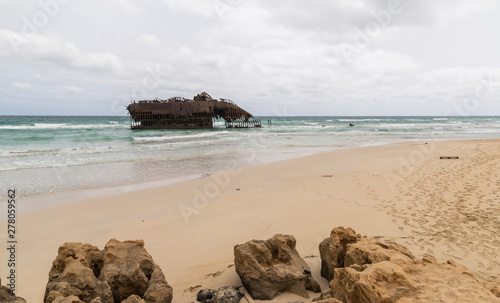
column 133, row 299
column 330, row 300
column 376, row 272
column 350, row 124
column 333, row 249
column 268, row 268
column 119, row 272
column 70, row 299
column 227, row 294
column 7, row 297
column 324, row 296
column 369, row 251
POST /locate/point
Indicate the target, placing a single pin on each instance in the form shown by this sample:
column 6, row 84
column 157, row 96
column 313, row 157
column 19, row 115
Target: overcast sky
column 334, row 57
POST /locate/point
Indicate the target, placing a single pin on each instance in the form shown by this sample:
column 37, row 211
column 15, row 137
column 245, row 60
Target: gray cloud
column 344, row 57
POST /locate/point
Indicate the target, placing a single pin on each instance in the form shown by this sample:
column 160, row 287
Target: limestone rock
column 227, row 294
column 376, row 272
column 268, row 268
column 330, row 300
column 70, row 299
column 7, row 297
column 324, row 296
column 133, row 299
column 111, row 275
column 369, row 251
column 333, row 249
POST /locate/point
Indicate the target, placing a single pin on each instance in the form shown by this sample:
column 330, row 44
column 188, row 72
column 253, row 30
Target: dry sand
column 399, row 192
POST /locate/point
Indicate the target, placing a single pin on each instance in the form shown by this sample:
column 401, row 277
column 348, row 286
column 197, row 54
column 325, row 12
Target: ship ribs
column 178, row 112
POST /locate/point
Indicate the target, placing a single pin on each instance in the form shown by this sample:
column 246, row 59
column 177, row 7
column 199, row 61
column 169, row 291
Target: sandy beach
column 402, row 192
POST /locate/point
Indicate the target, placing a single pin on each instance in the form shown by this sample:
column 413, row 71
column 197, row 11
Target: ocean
column 50, row 154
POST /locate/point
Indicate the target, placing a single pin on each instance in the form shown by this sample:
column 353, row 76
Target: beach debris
column 6, row 296
column 454, row 157
column 371, row 271
column 226, row 294
column 268, row 268
column 121, row 272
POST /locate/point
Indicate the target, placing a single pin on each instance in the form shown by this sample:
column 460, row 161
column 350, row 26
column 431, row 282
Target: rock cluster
column 360, row 270
column 268, row 268
column 121, row 272
column 227, row 294
column 364, row 270
column 7, row 297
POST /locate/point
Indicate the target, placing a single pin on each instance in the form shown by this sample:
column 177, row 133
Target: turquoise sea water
column 41, row 155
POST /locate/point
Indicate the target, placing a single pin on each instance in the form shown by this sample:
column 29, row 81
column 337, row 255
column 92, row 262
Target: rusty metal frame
column 178, row 112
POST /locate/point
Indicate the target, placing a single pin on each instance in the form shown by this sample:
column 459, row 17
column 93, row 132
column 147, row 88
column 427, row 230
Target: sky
column 273, row 58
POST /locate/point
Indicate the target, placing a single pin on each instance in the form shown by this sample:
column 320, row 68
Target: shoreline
column 52, row 198
column 38, row 201
column 305, row 197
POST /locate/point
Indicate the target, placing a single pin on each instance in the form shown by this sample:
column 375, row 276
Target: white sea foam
column 93, row 158
column 40, row 126
column 361, row 120
column 181, row 137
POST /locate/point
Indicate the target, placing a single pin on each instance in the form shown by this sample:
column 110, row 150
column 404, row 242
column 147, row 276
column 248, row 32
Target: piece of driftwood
column 455, row 157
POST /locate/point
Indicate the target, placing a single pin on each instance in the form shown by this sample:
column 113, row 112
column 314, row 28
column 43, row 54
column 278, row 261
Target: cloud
column 429, row 12
column 62, row 53
column 262, row 54
column 148, row 39
column 21, row 85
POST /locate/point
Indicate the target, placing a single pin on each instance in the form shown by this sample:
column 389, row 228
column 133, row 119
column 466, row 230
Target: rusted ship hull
column 180, row 113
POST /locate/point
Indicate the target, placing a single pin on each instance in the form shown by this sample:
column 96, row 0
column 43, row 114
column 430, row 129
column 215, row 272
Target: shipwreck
column 182, row 113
